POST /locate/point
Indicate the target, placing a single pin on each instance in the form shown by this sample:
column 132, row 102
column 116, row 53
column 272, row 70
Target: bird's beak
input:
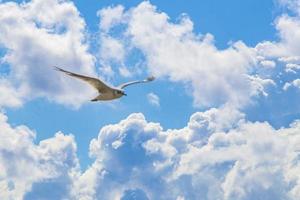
column 124, row 94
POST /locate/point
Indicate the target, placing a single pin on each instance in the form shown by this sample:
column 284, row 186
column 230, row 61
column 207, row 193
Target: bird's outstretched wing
column 96, row 83
column 151, row 78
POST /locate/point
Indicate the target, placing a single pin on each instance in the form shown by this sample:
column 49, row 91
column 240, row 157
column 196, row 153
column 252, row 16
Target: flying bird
column 106, row 92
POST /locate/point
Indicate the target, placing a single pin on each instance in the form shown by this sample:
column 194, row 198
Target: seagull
column 106, row 93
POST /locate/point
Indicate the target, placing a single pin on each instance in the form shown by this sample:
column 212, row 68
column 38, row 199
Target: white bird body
column 109, row 95
column 106, row 93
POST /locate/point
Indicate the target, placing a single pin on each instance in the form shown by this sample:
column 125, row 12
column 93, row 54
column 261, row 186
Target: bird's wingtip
column 150, row 78
column 57, row 68
column 60, row 69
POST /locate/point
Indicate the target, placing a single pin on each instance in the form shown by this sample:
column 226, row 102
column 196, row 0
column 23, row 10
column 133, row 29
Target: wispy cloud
column 153, row 99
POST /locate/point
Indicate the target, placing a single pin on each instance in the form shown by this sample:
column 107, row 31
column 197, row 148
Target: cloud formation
column 29, row 170
column 213, row 76
column 218, row 155
column 37, row 36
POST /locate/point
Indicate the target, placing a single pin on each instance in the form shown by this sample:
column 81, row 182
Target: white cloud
column 110, row 16
column 123, row 71
column 112, row 53
column 268, row 63
column 107, row 70
column 214, row 76
column 259, row 85
column 10, row 97
column 291, row 67
column 153, row 99
column 286, row 86
column 295, row 83
column 218, row 155
column 39, row 35
column 111, row 49
column 28, row 170
column 286, row 49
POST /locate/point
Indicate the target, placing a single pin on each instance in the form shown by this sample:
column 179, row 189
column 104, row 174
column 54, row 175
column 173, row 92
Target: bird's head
column 120, row 92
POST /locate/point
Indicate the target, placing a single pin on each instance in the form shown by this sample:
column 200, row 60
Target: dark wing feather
column 96, row 83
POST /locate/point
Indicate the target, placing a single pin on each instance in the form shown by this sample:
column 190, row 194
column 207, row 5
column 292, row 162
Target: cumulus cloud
column 218, row 155
column 285, row 50
column 110, row 16
column 286, row 47
column 213, row 76
column 196, row 60
column 38, row 35
column 259, row 85
column 29, row 170
column 112, row 56
column 112, row 49
column 10, row 96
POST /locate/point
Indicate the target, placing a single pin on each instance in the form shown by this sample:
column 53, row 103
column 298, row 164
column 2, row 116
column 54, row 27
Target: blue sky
column 211, row 126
